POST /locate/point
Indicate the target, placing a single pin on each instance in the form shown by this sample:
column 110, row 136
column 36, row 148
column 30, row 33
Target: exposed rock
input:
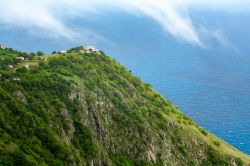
column 20, row 96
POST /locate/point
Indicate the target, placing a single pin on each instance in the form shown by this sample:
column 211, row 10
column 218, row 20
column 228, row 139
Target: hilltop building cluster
column 20, row 61
column 82, row 49
column 88, row 49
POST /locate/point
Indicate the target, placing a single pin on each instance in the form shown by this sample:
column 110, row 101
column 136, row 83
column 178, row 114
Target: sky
column 49, row 19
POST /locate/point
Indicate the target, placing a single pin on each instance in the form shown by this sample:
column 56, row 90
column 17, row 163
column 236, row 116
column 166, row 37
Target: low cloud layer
column 167, row 15
column 48, row 17
column 33, row 17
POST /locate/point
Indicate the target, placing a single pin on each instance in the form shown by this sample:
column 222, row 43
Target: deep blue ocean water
column 211, row 85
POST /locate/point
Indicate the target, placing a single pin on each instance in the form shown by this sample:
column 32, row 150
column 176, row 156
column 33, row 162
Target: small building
column 20, row 58
column 2, row 46
column 63, row 52
column 89, row 49
column 16, row 79
column 10, row 66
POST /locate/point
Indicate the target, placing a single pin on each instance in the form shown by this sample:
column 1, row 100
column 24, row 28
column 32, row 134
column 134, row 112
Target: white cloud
column 231, row 5
column 168, row 16
column 23, row 14
column 221, row 38
column 211, row 36
column 48, row 17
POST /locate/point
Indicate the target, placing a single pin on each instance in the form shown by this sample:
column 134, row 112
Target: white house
column 16, row 79
column 89, row 49
column 2, row 46
column 63, row 52
column 20, row 58
column 10, row 66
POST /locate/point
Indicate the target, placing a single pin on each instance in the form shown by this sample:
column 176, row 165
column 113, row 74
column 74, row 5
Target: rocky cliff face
column 86, row 109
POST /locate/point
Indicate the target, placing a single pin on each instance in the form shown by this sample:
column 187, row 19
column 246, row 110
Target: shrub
column 121, row 160
column 239, row 162
column 183, row 149
column 214, row 158
column 84, row 139
column 204, row 132
column 39, row 53
column 217, row 143
column 22, row 70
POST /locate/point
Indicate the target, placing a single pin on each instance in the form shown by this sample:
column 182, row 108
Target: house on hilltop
column 2, row 46
column 62, row 52
column 20, row 58
column 89, row 49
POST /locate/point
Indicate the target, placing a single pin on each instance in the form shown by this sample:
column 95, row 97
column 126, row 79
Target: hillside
column 87, row 109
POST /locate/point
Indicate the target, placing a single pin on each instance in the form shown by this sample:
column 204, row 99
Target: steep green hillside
column 86, row 109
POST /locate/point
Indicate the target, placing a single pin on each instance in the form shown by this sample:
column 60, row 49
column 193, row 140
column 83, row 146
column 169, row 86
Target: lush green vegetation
column 217, row 143
column 85, row 108
column 120, row 160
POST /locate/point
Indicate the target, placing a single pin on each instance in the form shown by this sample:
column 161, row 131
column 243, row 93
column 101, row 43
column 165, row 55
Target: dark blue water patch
column 221, row 112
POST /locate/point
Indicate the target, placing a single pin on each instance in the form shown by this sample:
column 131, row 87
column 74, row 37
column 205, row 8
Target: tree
column 22, row 70
column 40, row 53
column 8, row 61
column 32, row 54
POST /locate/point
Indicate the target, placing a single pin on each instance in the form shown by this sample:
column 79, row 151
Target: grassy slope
column 83, row 108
